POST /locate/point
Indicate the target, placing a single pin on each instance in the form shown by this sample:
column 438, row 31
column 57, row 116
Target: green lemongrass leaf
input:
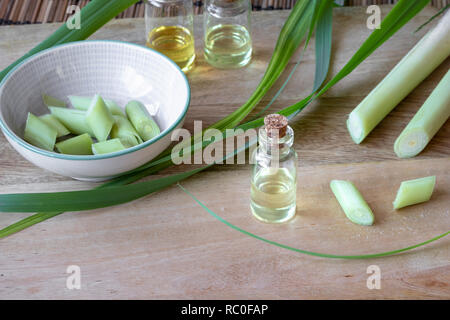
column 323, row 45
column 432, row 18
column 311, row 253
column 93, row 16
column 100, row 197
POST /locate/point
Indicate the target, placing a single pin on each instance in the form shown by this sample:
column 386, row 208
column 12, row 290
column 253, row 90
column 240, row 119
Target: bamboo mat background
column 47, row 11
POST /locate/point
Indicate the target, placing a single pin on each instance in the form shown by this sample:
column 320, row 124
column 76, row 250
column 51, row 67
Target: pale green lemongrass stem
column 428, row 53
column 108, row 146
column 39, row 133
column 74, row 120
column 426, row 122
column 142, row 120
column 79, row 145
column 414, row 192
column 53, row 122
column 99, row 118
column 50, row 101
column 83, row 103
column 124, row 130
column 352, row 202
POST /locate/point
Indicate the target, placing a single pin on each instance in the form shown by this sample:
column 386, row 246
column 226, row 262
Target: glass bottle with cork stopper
column 274, row 175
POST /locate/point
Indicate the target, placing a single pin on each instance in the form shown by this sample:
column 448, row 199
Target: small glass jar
column 274, row 176
column 170, row 30
column 227, row 29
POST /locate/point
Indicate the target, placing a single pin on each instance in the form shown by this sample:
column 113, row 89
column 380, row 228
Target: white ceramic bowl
column 116, row 70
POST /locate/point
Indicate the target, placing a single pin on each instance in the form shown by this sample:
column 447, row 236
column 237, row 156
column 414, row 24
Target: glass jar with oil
column 170, row 30
column 227, row 26
column 274, row 176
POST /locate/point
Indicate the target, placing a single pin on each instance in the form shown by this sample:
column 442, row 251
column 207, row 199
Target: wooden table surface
column 166, row 246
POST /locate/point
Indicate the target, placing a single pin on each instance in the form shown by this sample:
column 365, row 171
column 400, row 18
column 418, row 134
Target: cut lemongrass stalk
column 426, row 122
column 428, row 53
column 124, row 130
column 52, row 101
column 79, row 145
column 99, row 118
column 74, row 120
column 142, row 120
column 53, row 122
column 39, row 133
column 352, row 202
column 83, row 103
column 107, row 146
column 414, row 192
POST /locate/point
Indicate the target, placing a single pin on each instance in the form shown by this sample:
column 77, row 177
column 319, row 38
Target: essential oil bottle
column 274, row 175
column 227, row 28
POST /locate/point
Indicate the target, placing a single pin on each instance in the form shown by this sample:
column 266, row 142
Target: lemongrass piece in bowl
column 428, row 53
column 141, row 120
column 108, row 146
column 73, row 120
column 50, row 101
column 79, row 145
column 83, row 103
column 124, row 130
column 414, row 191
column 352, row 202
column 99, row 118
column 53, row 122
column 426, row 122
column 39, row 133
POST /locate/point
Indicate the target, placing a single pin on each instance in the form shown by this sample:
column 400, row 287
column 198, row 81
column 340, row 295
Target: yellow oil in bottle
column 273, row 195
column 228, row 46
column 175, row 42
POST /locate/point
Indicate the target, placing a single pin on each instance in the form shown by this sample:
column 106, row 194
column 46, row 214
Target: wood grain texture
column 166, row 246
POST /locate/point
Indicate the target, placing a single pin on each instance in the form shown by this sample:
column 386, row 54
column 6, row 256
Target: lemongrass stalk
column 352, row 202
column 79, row 145
column 414, row 192
column 99, row 118
column 53, row 122
column 427, row 121
column 74, row 120
column 83, row 103
column 50, row 101
column 124, row 130
column 428, row 53
column 39, row 133
column 107, row 146
column 142, row 121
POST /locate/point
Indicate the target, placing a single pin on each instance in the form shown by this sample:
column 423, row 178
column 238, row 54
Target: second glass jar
column 227, row 29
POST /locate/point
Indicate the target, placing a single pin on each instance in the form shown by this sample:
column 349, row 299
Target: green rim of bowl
column 30, row 147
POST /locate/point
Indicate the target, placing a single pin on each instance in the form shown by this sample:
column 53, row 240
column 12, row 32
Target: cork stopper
column 276, row 123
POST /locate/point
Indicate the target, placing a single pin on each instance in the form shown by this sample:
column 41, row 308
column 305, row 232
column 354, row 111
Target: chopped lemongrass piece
column 142, row 120
column 428, row 53
column 414, row 191
column 53, row 122
column 39, row 133
column 352, row 202
column 124, row 130
column 427, row 121
column 83, row 103
column 52, row 101
column 107, row 146
column 79, row 145
column 74, row 120
column 99, row 118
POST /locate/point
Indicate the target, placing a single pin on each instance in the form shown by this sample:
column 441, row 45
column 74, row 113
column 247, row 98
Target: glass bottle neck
column 274, row 146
